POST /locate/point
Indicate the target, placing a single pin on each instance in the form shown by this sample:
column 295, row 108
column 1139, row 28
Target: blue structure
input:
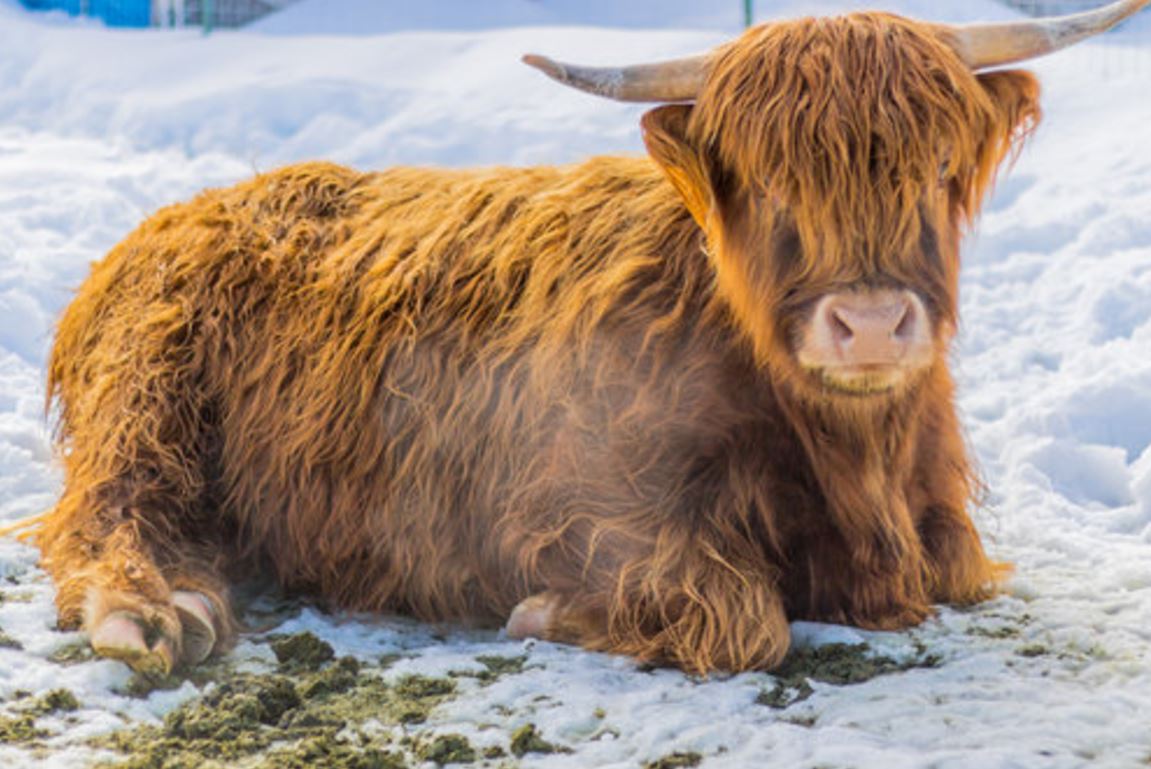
column 114, row 13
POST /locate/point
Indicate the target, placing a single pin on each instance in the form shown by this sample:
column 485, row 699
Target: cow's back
column 400, row 371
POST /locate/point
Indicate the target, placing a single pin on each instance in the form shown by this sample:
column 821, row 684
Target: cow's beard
column 862, row 381
column 862, row 387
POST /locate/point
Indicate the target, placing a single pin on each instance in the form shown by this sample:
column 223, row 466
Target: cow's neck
column 862, row 457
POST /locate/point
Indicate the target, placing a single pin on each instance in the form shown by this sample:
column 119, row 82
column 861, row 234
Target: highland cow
column 655, row 406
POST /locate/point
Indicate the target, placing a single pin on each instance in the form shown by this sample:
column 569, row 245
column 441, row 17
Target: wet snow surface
column 99, row 128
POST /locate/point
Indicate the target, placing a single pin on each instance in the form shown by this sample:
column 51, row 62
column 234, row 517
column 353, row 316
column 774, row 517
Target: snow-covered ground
column 98, row 128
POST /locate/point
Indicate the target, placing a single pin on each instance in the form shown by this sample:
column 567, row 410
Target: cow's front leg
column 958, row 569
column 874, row 583
column 695, row 610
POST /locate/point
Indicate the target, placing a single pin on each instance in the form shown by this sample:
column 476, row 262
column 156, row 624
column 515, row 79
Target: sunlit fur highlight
column 852, row 121
column 857, row 120
column 441, row 392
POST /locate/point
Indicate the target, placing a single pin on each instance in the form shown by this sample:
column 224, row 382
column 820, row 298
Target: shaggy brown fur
column 442, row 392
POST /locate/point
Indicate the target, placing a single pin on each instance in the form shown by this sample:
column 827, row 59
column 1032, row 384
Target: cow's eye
column 945, row 170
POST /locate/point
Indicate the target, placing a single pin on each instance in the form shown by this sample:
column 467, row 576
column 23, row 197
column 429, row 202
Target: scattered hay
column 999, row 633
column 302, row 651
column 22, row 728
column 784, row 694
column 387, row 660
column 342, row 714
column 8, row 642
column 1033, row 650
column 140, row 685
column 336, row 679
column 448, row 749
column 675, row 761
column 422, row 687
column 837, row 663
column 328, row 753
column 495, row 668
column 73, row 653
column 55, row 701
column 501, row 666
column 527, row 739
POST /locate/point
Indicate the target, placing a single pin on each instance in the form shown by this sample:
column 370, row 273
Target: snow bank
column 356, row 17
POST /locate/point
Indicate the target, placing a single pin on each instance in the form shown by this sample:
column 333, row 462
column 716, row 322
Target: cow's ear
column 665, row 134
column 1014, row 95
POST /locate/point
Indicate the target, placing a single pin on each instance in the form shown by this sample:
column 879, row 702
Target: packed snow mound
column 367, row 17
column 99, row 128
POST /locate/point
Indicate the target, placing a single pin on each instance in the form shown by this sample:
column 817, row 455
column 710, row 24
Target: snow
column 356, row 17
column 99, row 127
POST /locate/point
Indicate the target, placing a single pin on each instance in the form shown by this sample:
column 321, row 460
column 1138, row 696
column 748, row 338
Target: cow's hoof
column 532, row 616
column 122, row 636
column 152, row 647
column 197, row 625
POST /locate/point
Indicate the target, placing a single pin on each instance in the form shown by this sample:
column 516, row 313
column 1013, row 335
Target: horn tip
column 548, row 66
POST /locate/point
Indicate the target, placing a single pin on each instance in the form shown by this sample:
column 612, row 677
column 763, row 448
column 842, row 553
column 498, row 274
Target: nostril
column 867, row 329
column 840, row 329
column 905, row 328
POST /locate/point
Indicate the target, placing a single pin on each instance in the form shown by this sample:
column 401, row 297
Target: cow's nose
column 871, row 328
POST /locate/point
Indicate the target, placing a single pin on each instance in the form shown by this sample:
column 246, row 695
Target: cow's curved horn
column 990, row 45
column 667, row 81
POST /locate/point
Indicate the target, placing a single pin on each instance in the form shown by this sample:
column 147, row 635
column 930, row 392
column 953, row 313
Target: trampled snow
column 98, row 128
